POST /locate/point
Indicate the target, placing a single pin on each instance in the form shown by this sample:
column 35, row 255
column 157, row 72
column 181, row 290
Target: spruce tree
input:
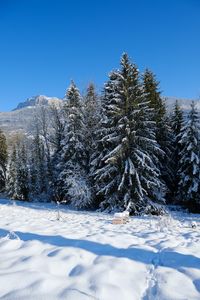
column 176, row 124
column 58, row 124
column 72, row 184
column 92, row 121
column 129, row 177
column 58, row 127
column 100, row 149
column 189, row 170
column 164, row 136
column 11, row 181
column 43, row 128
column 177, row 119
column 3, row 160
column 38, row 169
column 22, row 174
column 153, row 95
column 92, row 118
column 166, row 159
column 18, row 178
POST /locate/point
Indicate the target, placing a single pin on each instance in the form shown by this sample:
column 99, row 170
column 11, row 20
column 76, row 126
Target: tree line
column 114, row 151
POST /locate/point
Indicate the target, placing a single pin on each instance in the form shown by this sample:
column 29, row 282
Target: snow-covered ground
column 84, row 256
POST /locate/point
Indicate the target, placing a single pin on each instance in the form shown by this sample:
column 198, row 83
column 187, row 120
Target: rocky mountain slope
column 37, row 101
column 21, row 119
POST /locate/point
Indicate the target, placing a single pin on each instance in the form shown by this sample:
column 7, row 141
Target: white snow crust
column 84, row 256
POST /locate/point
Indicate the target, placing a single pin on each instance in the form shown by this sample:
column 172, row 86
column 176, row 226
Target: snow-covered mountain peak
column 37, row 101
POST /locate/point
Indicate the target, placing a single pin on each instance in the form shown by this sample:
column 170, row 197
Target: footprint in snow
column 12, row 236
column 76, row 271
column 53, row 253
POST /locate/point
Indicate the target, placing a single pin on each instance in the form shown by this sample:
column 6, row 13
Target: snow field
column 84, row 256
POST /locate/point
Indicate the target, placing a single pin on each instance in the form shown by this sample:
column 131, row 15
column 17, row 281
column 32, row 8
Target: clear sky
column 46, row 43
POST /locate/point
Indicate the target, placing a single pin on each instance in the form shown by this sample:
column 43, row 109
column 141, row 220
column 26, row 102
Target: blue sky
column 46, row 43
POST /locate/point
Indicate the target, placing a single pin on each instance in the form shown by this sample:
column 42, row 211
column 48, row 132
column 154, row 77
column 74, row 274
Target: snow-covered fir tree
column 164, row 136
column 129, row 177
column 72, row 184
column 176, row 124
column 177, row 119
column 58, row 127
column 22, row 173
column 43, row 128
column 153, row 95
column 11, row 181
column 92, row 122
column 91, row 117
column 58, row 124
column 18, row 177
column 100, row 149
column 38, row 169
column 189, row 168
column 3, row 159
column 166, row 160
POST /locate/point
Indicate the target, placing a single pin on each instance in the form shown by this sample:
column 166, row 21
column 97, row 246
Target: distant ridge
column 21, row 119
column 37, row 101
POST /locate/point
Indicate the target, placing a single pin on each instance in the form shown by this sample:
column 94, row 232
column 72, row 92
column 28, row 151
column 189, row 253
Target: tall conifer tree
column 38, row 167
column 189, row 171
column 3, row 160
column 177, row 124
column 92, row 121
column 18, row 176
column 164, row 136
column 22, row 173
column 11, row 181
column 91, row 116
column 72, row 181
column 129, row 177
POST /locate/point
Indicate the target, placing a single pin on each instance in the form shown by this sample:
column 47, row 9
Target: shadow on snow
column 165, row 258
